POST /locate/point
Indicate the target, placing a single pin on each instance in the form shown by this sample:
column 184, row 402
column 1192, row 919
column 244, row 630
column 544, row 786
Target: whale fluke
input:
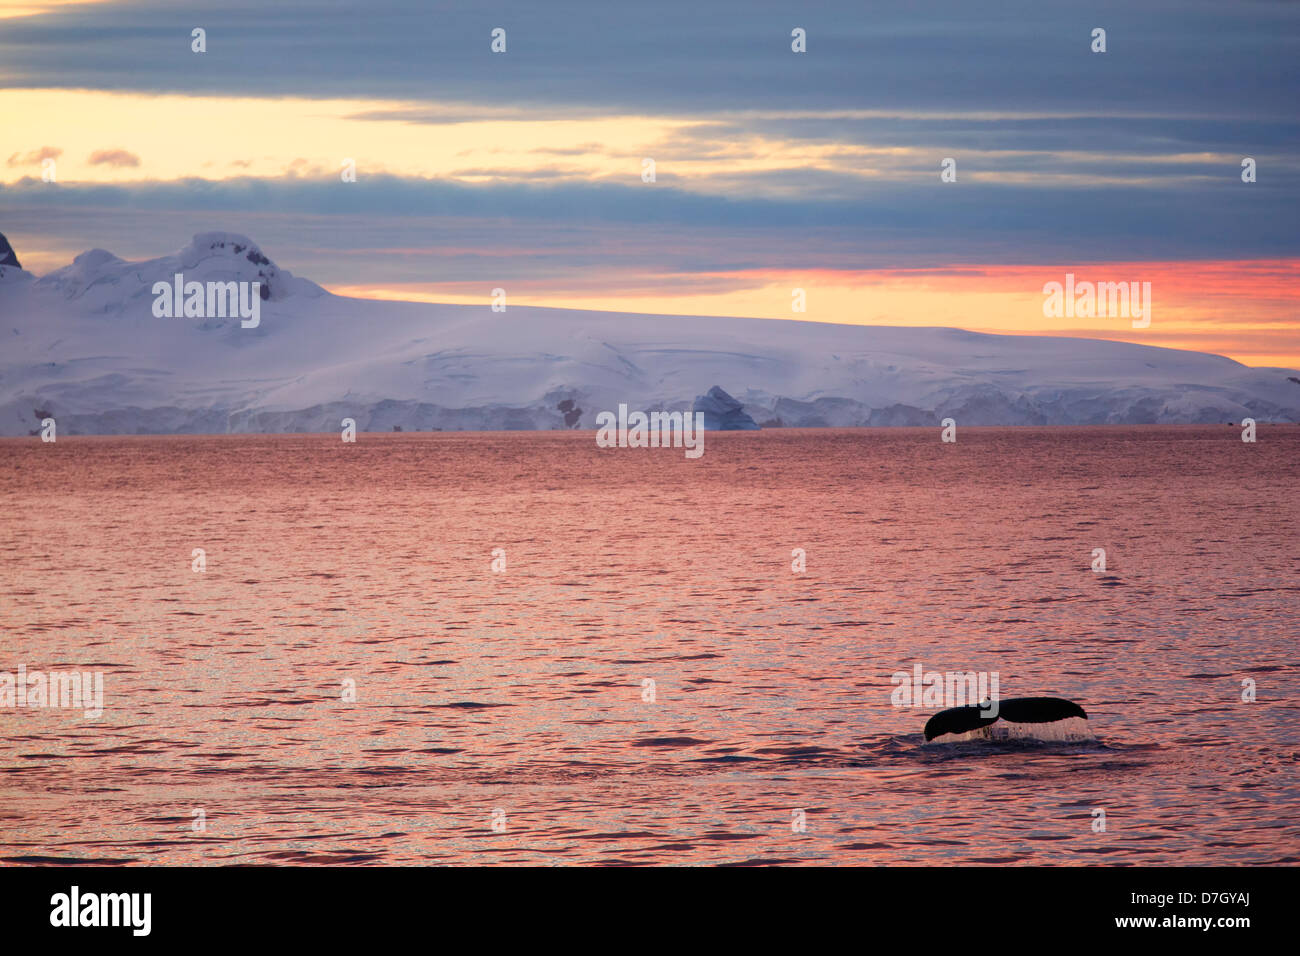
column 1016, row 710
column 958, row 720
column 1039, row 710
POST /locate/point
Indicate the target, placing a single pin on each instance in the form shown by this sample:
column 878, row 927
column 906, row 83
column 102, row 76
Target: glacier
column 81, row 345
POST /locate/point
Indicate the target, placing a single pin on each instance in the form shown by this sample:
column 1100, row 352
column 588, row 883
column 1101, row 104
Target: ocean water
column 505, row 716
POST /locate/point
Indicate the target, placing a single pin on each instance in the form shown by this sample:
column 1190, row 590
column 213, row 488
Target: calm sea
column 507, row 715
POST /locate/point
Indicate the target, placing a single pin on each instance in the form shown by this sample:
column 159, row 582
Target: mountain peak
column 7, row 255
column 223, row 244
column 210, row 256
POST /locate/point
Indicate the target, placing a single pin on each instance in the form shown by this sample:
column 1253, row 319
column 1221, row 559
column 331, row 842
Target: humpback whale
column 1017, row 717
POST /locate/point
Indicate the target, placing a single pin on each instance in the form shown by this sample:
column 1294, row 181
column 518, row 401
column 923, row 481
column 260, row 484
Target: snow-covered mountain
column 84, row 346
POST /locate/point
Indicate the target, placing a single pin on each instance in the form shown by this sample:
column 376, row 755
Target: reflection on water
column 527, row 691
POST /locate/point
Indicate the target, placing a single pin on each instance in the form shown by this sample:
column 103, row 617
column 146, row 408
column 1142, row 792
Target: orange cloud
column 113, row 157
column 35, row 156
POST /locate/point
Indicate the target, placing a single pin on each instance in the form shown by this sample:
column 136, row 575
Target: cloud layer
column 525, row 166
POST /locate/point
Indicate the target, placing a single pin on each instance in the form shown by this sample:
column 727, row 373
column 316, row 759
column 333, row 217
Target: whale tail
column 1044, row 718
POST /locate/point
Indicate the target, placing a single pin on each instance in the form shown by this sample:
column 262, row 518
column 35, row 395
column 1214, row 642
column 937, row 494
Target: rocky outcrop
column 7, row 255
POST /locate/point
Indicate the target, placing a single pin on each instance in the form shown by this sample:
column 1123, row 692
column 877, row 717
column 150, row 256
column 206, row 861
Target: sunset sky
column 774, row 169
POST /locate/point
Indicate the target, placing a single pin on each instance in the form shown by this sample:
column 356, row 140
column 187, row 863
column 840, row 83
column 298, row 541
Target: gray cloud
column 459, row 231
column 1169, row 57
column 1009, row 89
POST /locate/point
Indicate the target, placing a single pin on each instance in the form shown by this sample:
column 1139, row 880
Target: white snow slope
column 82, row 345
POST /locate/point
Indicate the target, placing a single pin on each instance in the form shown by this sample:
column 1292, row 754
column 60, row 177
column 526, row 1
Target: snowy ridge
column 83, row 345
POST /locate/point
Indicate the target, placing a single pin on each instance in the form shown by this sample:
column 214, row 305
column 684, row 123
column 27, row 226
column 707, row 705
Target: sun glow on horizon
column 1244, row 310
